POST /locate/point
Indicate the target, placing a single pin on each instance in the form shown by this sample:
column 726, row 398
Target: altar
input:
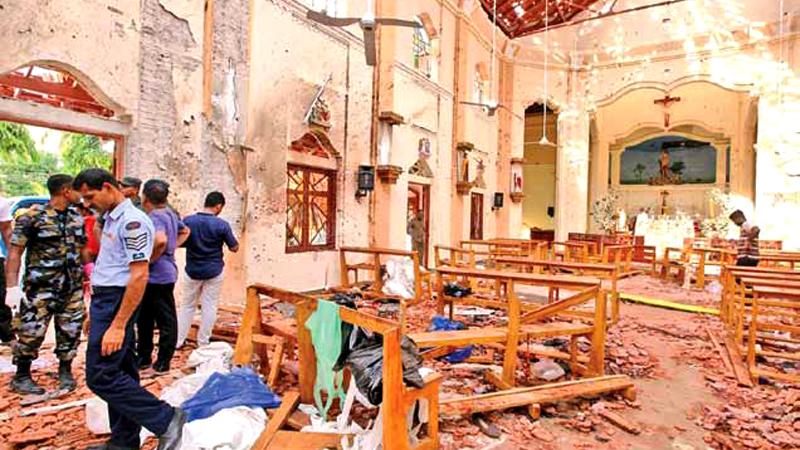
column 664, row 231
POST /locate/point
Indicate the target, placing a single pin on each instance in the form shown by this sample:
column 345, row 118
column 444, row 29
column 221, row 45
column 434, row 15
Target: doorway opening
column 539, row 172
column 419, row 203
column 50, row 123
column 30, row 154
column 476, row 217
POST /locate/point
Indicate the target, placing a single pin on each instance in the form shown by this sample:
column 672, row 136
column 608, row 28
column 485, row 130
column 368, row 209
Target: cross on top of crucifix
column 666, row 102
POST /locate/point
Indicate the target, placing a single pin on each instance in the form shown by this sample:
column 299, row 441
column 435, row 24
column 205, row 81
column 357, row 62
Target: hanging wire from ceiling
column 492, row 102
column 544, row 141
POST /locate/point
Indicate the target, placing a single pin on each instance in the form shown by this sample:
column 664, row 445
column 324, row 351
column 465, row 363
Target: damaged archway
column 58, row 96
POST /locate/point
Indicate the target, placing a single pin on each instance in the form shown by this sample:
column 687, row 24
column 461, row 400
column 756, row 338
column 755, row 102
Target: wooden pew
column 529, row 322
column 782, row 304
column 605, row 271
column 397, row 398
column 372, row 263
column 510, row 302
column 257, row 336
column 455, row 257
column 530, row 248
column 733, row 292
column 621, row 256
column 711, row 257
column 571, row 251
column 785, row 260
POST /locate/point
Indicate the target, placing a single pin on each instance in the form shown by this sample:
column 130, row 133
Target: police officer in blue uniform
column 118, row 283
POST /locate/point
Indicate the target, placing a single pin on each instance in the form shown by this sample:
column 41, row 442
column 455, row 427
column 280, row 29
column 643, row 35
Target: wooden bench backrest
column 453, row 256
column 782, row 306
column 396, row 397
column 573, row 251
column 374, row 257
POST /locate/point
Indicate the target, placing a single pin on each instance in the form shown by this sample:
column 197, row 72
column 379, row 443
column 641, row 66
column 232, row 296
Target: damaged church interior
column 400, row 224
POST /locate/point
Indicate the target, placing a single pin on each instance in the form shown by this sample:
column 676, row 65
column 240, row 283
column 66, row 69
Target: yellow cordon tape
column 668, row 304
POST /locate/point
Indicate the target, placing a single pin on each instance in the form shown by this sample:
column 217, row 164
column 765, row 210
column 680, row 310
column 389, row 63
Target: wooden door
column 476, row 217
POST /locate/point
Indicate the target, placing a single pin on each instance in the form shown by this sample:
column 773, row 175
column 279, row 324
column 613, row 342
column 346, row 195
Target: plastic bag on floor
column 399, row 277
column 240, row 387
column 547, row 370
column 439, row 323
column 97, row 416
column 714, row 288
column 366, row 364
column 456, row 290
column 184, row 388
column 214, row 357
column 230, row 429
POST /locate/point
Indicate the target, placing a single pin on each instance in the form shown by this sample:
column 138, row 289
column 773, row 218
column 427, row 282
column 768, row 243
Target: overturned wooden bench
column 531, row 322
column 605, row 271
column 371, row 263
column 397, row 398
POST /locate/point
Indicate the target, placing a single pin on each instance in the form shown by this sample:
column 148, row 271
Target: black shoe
column 161, row 367
column 144, row 364
column 171, row 439
column 26, row 386
column 66, row 382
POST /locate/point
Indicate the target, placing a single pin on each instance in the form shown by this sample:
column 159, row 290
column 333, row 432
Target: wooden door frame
column 426, row 209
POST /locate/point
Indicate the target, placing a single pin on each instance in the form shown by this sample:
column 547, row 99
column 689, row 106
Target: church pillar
column 572, row 173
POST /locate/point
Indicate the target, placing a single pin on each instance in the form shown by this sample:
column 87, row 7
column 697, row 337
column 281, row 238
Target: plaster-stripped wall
column 103, row 52
column 285, row 73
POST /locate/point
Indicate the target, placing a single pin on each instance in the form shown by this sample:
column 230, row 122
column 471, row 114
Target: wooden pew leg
column 275, row 363
column 535, row 411
column 573, row 355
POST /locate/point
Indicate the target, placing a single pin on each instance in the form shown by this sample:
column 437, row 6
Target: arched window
column 421, row 46
column 311, row 194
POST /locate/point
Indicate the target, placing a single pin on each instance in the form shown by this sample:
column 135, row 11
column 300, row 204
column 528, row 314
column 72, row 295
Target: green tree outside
column 23, row 169
column 81, row 151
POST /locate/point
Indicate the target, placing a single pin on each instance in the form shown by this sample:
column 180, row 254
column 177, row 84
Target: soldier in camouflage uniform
column 55, row 240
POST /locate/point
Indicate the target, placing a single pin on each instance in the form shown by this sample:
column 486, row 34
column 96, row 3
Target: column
column 572, row 173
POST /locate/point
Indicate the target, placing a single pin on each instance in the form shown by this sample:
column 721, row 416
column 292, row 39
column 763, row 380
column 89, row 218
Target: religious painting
column 669, row 160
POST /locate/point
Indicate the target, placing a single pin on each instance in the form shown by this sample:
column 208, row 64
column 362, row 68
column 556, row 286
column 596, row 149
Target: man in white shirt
column 6, row 334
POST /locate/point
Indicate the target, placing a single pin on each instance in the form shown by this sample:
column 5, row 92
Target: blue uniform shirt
column 127, row 237
column 204, row 257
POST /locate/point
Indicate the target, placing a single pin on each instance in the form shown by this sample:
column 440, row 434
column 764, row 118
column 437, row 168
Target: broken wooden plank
column 617, row 419
column 54, row 408
column 290, row 400
column 739, row 366
column 304, row 441
column 723, row 354
column 544, row 394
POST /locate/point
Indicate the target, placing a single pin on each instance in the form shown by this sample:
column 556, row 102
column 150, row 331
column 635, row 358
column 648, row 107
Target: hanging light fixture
column 544, row 141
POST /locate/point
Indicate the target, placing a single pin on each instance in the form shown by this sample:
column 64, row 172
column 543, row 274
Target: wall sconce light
column 498, row 201
column 366, row 180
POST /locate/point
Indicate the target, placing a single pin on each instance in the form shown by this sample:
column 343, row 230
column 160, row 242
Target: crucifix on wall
column 663, row 206
column 665, row 103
